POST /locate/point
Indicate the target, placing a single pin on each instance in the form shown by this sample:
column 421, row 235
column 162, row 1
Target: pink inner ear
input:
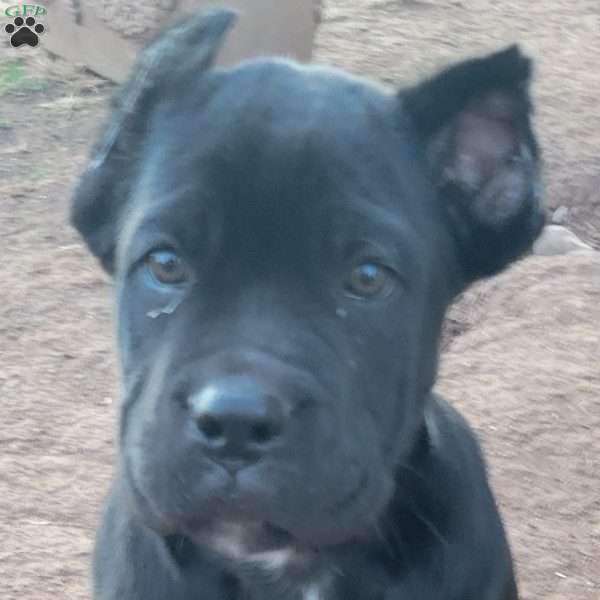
column 484, row 138
column 483, row 153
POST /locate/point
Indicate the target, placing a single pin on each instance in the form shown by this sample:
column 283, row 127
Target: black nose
column 238, row 420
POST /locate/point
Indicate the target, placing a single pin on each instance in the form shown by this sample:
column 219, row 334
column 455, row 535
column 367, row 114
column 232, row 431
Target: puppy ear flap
column 178, row 53
column 474, row 119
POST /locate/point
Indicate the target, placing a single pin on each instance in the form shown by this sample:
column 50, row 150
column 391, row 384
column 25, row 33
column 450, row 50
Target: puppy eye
column 166, row 267
column 369, row 279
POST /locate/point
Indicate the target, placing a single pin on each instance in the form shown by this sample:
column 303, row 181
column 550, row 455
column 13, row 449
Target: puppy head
column 284, row 242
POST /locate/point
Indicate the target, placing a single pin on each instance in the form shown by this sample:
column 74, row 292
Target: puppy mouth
column 244, row 540
column 255, row 502
column 241, row 530
column 272, row 537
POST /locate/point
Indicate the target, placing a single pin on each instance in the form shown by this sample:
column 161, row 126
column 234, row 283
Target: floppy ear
column 178, row 53
column 474, row 120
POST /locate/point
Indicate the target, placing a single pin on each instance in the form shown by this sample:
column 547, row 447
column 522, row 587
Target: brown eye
column 368, row 280
column 166, row 267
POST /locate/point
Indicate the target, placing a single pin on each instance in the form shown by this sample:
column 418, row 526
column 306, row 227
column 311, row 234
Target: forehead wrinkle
column 249, row 213
column 268, row 113
column 377, row 224
column 156, row 209
column 272, row 120
column 129, row 225
column 270, row 140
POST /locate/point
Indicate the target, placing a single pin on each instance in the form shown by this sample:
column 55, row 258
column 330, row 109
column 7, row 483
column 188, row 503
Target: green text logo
column 25, row 10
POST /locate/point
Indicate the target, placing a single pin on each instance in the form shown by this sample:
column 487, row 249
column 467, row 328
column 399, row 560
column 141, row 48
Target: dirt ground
column 525, row 371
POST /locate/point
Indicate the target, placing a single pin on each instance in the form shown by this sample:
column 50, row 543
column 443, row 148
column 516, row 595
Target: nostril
column 263, row 432
column 236, row 418
column 210, row 427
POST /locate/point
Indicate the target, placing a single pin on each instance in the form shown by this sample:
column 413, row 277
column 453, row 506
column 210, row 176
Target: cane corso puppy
column 284, row 242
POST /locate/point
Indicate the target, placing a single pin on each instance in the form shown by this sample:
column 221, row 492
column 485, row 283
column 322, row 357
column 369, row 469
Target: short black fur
column 284, row 241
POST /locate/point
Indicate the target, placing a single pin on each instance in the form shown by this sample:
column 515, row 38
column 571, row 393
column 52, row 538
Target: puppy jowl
column 285, row 241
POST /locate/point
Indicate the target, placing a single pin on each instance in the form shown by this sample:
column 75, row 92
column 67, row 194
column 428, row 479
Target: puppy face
column 301, row 258
column 285, row 240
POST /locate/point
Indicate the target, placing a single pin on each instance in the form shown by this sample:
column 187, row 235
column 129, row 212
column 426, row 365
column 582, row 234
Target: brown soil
column 525, row 369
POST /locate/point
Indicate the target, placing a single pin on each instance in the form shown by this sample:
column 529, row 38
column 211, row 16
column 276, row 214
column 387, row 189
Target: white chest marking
column 230, row 542
column 272, row 560
column 313, row 592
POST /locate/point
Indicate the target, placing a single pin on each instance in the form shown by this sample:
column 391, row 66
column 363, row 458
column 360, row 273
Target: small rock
column 556, row 239
column 560, row 215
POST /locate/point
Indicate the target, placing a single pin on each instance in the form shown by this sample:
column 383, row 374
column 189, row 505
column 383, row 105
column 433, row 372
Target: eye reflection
column 368, row 279
column 166, row 267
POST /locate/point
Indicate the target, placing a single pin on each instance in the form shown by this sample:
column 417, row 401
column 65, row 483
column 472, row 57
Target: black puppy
column 285, row 241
